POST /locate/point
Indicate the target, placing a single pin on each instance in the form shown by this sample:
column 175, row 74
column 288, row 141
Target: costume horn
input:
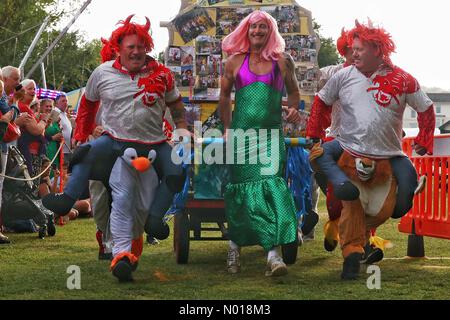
column 127, row 21
column 147, row 25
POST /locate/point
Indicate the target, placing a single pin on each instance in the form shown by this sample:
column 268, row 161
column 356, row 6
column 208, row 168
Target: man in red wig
column 373, row 94
column 134, row 90
column 372, row 253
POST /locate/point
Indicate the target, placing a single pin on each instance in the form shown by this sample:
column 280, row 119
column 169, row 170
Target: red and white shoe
column 123, row 265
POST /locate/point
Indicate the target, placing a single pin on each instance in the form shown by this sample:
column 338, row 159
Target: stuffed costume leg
column 132, row 195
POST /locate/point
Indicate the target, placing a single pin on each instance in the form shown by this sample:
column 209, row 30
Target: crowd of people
column 121, row 141
column 37, row 127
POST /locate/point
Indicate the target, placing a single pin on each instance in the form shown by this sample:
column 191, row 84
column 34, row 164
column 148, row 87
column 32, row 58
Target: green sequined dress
column 259, row 207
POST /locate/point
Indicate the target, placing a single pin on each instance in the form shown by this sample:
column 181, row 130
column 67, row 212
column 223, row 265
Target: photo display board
column 195, row 56
column 194, row 52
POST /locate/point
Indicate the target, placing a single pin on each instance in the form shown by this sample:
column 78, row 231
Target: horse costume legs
column 352, row 228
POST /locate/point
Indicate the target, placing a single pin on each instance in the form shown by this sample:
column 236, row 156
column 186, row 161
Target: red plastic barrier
column 430, row 213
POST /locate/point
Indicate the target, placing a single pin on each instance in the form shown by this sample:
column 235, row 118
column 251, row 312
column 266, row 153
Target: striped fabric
column 48, row 94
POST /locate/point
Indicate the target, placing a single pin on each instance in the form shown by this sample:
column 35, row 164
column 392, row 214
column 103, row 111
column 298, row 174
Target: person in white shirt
column 135, row 91
column 66, row 125
column 373, row 95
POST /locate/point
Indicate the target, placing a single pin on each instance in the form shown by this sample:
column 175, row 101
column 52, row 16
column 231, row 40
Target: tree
column 72, row 60
column 160, row 57
column 70, row 64
column 328, row 54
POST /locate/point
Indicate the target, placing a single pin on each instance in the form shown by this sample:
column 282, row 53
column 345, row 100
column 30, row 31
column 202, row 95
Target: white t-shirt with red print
column 133, row 106
column 371, row 114
column 325, row 74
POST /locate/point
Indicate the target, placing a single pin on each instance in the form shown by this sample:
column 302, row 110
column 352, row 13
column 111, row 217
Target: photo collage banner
column 198, row 65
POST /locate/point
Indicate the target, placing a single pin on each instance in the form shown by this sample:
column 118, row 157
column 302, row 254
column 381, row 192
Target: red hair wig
column 342, row 43
column 376, row 36
column 131, row 28
column 107, row 53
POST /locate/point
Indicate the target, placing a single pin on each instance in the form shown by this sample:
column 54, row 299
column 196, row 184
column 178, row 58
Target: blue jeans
column 406, row 176
column 402, row 168
column 327, row 163
column 99, row 161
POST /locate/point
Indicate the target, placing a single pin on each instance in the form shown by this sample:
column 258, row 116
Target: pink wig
column 237, row 42
column 375, row 36
column 131, row 28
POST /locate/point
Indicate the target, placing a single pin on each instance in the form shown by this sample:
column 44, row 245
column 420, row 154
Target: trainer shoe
column 233, row 262
column 310, row 236
column 350, row 270
column 152, row 241
column 372, row 254
column 276, row 267
column 4, row 239
column 123, row 266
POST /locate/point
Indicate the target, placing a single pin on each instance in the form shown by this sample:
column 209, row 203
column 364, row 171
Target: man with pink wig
column 259, row 207
column 373, row 94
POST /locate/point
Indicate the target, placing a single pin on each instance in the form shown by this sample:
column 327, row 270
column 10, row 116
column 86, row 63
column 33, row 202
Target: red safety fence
column 430, row 213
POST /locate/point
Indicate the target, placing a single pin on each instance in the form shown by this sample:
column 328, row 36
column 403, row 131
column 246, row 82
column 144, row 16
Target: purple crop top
column 245, row 77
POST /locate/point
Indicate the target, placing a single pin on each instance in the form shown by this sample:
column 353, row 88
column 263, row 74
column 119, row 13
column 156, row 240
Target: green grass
column 36, row 269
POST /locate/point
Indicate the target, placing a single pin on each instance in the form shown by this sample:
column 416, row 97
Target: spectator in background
column 32, row 142
column 30, row 94
column 4, row 121
column 72, row 115
column 66, row 125
column 9, row 79
column 53, row 132
column 35, row 106
column 46, row 185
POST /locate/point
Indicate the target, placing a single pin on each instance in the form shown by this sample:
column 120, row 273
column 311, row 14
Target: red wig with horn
column 376, row 36
column 130, row 28
column 342, row 43
column 107, row 53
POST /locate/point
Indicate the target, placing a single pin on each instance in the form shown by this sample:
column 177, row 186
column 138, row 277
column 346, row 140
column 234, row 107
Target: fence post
column 416, row 247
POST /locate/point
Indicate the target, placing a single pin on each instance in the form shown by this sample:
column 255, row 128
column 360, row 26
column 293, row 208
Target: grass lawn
column 36, row 269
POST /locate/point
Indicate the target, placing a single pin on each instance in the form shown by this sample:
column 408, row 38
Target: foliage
column 328, row 54
column 69, row 65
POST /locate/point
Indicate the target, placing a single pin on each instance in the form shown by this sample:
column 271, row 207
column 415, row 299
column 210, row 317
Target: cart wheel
column 181, row 238
column 289, row 252
column 51, row 229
